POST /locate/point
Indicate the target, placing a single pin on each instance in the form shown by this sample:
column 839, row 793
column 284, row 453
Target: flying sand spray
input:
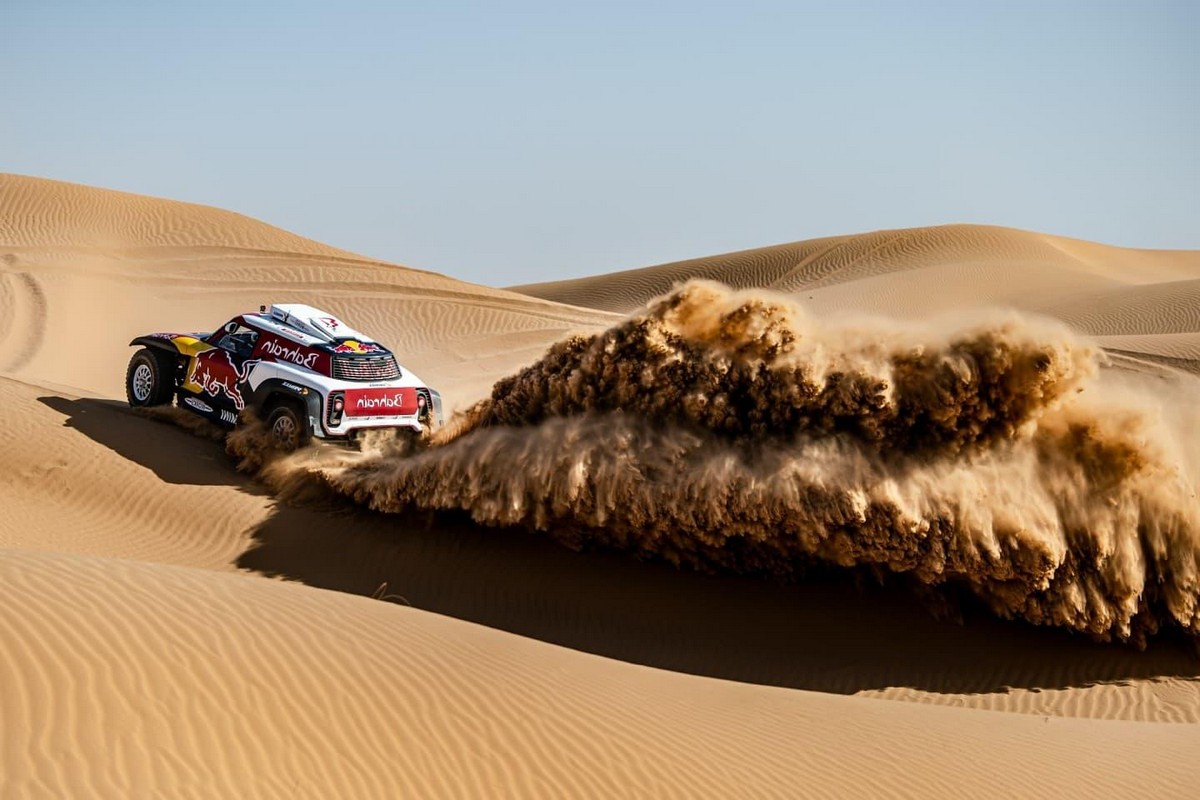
column 732, row 431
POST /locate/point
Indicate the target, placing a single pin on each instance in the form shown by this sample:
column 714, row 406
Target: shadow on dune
column 835, row 632
column 156, row 447
column 831, row 633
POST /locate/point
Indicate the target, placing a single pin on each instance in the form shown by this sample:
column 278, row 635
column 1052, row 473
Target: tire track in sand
column 22, row 319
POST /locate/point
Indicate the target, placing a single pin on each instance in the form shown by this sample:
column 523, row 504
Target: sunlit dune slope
column 152, row 680
column 84, row 270
column 43, row 213
column 1099, row 289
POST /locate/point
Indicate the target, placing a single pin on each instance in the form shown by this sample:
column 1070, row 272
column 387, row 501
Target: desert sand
column 172, row 627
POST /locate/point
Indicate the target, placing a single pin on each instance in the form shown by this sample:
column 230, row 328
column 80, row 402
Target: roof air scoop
column 314, row 322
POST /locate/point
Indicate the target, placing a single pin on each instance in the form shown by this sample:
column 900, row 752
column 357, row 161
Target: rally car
column 302, row 370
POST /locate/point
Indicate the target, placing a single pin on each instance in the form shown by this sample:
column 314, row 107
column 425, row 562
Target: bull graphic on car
column 302, row 370
column 215, row 372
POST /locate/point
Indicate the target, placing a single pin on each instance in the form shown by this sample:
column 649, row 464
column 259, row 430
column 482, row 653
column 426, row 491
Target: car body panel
column 290, row 352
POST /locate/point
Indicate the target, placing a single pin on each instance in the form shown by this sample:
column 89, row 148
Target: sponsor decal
column 331, row 323
column 170, row 337
column 295, row 332
column 381, row 402
column 350, row 346
column 293, row 387
column 228, row 416
column 216, row 374
column 296, row 354
column 198, row 404
column 180, row 340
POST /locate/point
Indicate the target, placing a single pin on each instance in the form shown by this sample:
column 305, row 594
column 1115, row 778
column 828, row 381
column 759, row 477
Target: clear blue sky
column 511, row 142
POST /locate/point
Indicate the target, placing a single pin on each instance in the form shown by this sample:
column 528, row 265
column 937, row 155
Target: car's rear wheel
column 150, row 378
column 288, row 427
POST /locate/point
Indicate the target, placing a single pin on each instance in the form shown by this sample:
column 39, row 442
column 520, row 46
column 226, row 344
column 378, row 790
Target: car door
column 219, row 372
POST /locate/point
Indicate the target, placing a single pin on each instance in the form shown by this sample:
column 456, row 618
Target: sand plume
column 729, row 431
column 754, row 367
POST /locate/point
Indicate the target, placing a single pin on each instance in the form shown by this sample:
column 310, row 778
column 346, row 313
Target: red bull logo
column 215, row 372
column 350, row 346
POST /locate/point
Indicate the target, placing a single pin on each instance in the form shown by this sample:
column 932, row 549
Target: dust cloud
column 732, row 431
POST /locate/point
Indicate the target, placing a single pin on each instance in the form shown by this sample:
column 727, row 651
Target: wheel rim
column 143, row 382
column 284, row 431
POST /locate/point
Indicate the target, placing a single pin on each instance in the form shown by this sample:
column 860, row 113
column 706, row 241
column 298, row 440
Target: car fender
column 179, row 344
column 281, row 387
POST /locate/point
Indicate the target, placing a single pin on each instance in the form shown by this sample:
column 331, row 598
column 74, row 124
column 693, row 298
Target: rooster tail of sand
column 730, row 430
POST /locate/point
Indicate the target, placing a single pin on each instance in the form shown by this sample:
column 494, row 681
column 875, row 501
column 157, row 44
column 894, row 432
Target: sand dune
column 1170, row 307
column 117, row 484
column 66, row 491
column 181, row 682
column 139, row 662
column 78, row 260
column 1098, row 289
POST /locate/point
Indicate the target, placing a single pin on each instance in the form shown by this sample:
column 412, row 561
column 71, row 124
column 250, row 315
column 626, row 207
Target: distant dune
column 1100, row 290
column 170, row 628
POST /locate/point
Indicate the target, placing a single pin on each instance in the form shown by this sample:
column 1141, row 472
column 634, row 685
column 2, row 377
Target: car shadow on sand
column 152, row 444
column 835, row 632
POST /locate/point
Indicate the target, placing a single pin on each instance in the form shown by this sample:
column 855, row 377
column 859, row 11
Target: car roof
column 313, row 322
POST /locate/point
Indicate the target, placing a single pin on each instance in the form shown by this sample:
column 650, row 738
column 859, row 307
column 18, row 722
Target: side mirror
column 231, row 326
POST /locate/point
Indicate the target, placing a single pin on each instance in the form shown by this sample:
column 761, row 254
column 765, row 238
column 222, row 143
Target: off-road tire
column 150, row 378
column 287, row 426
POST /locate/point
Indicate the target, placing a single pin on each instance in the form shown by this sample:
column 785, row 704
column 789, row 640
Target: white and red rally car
column 302, row 370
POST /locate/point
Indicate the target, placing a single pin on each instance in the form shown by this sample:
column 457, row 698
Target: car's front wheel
column 288, row 427
column 150, row 378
